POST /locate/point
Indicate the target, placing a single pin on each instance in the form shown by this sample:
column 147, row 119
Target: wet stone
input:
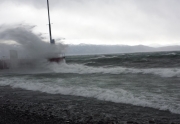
column 130, row 122
column 151, row 122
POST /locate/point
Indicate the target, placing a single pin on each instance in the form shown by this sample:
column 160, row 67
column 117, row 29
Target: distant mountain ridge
column 86, row 49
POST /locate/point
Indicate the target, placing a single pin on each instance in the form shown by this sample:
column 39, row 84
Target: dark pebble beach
column 18, row 106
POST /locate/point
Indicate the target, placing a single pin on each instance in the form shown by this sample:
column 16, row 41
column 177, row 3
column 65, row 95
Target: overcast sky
column 130, row 22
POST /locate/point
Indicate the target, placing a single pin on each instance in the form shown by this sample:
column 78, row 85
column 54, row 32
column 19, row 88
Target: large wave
column 63, row 67
column 44, row 66
column 83, row 69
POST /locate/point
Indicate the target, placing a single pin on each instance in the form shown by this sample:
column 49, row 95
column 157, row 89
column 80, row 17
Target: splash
column 27, row 44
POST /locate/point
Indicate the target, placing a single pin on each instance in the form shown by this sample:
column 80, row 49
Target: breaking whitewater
column 141, row 79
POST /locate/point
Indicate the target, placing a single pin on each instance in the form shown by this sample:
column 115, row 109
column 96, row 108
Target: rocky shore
column 18, row 106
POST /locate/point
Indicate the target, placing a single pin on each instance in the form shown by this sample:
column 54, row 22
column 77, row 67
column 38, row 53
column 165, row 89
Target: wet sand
column 18, row 106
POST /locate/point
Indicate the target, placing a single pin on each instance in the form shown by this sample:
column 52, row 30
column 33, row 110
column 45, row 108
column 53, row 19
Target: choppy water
column 143, row 79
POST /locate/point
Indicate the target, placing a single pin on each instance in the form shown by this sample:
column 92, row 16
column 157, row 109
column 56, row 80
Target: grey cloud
column 43, row 3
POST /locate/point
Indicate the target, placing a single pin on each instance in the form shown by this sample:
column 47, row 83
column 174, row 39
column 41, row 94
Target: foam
column 117, row 95
column 103, row 57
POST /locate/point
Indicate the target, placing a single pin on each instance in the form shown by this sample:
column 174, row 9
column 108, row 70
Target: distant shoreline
column 88, row 49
